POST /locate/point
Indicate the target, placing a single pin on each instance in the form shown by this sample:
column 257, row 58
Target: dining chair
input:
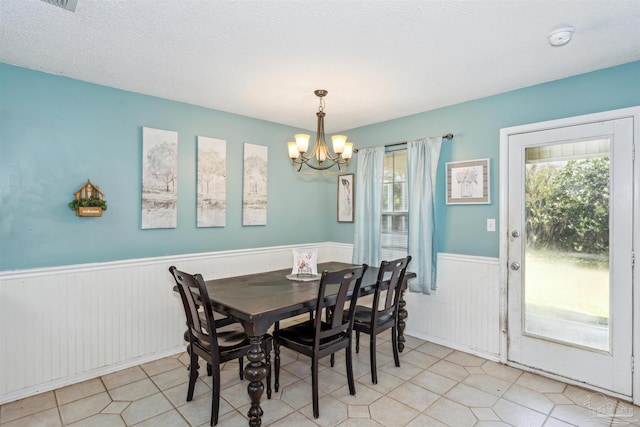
column 221, row 343
column 382, row 315
column 316, row 338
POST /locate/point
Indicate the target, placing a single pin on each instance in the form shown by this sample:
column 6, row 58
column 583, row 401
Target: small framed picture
column 468, row 182
column 345, row 198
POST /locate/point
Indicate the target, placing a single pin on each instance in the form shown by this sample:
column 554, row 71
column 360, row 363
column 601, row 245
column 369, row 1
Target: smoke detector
column 560, row 36
column 69, row 5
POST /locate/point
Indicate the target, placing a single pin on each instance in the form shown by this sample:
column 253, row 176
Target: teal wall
column 55, row 133
column 476, row 126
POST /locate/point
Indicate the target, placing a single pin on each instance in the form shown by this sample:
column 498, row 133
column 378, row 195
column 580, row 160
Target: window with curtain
column 395, row 206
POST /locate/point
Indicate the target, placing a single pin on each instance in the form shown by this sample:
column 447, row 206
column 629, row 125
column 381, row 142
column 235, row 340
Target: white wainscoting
column 464, row 312
column 63, row 325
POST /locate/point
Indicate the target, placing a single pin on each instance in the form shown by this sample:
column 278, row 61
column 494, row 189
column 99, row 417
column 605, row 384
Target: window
column 395, row 206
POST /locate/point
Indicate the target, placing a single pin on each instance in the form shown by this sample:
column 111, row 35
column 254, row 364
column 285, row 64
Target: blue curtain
column 422, row 163
column 368, row 206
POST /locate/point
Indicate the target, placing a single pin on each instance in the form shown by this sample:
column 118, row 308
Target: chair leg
column 372, row 358
column 276, row 351
column 209, row 369
column 333, row 359
column 350, row 380
column 193, row 373
column 215, row 398
column 357, row 341
column 394, row 343
column 241, row 367
column 314, row 386
column 267, row 358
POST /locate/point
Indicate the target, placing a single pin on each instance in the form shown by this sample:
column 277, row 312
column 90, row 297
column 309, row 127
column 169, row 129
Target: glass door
column 570, row 252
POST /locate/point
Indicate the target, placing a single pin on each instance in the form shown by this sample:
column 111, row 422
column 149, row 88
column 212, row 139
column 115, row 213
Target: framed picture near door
column 468, row 182
column 345, row 198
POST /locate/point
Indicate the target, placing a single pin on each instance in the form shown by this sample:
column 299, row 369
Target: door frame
column 633, row 112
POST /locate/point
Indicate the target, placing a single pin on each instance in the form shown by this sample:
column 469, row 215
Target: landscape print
column 254, row 185
column 212, row 182
column 159, row 178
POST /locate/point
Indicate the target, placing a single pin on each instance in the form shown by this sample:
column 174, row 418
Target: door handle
column 515, row 266
column 515, row 233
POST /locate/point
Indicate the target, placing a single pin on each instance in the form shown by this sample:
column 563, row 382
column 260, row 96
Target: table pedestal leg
column 402, row 315
column 255, row 372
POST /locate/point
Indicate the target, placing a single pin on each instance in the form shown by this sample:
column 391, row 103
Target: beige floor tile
column 84, row 408
column 171, row 418
column 465, row 359
column 471, row 397
column 178, row 395
column 433, row 382
column 274, row 410
column 295, row 419
column 146, row 408
column 487, row 383
column 358, row 411
column 161, row 365
column 405, row 371
column 198, row 411
column 450, row 370
column 451, row 413
column 359, row 422
column 332, row 411
column 46, row 418
column 101, row 420
column 364, row 395
column 500, row 371
column 423, row 420
column 329, row 380
column 541, row 384
column 414, row 396
column 134, row 391
column 30, row 405
column 529, row 398
column 172, row 378
column 296, row 395
column 485, row 414
column 518, row 415
column 389, row 412
column 418, row 358
column 79, row 391
column 435, row 350
column 115, row 407
column 126, row 376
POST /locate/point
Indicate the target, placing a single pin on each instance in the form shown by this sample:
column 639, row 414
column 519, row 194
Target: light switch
column 491, row 224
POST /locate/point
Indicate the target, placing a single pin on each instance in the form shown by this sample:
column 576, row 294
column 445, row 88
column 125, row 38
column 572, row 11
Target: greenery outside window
column 395, row 206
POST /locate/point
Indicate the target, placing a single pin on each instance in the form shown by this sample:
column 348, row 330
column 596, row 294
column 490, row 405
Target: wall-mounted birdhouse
column 89, row 201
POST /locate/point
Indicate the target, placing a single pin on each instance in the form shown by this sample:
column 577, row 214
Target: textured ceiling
column 379, row 60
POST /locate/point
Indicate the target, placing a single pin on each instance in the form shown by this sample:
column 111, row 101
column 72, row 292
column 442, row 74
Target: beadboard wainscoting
column 63, row 325
column 464, row 312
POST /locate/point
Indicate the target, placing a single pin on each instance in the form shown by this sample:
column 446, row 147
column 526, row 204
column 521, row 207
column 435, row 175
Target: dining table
column 260, row 300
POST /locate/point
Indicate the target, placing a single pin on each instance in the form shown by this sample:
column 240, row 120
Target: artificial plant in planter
column 88, row 201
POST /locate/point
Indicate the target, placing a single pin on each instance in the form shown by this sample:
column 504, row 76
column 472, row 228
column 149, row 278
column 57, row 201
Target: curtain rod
column 448, row 136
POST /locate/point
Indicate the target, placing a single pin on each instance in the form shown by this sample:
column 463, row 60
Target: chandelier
column 320, row 158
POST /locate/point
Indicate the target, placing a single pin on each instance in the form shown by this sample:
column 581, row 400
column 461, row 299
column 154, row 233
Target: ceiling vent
column 65, row 4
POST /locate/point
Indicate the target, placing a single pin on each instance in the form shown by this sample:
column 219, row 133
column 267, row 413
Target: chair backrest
column 348, row 282
column 391, row 273
column 193, row 291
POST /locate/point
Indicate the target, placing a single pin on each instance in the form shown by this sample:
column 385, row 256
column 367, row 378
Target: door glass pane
column 566, row 262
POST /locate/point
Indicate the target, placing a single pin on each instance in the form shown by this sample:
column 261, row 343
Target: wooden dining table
column 259, row 300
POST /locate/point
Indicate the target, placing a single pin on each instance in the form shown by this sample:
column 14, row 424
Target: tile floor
column 435, row 386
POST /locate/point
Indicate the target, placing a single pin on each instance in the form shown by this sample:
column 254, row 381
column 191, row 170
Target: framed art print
column 345, row 198
column 468, row 182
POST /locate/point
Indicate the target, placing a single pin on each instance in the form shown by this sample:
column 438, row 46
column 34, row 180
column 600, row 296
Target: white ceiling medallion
column 560, row 36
